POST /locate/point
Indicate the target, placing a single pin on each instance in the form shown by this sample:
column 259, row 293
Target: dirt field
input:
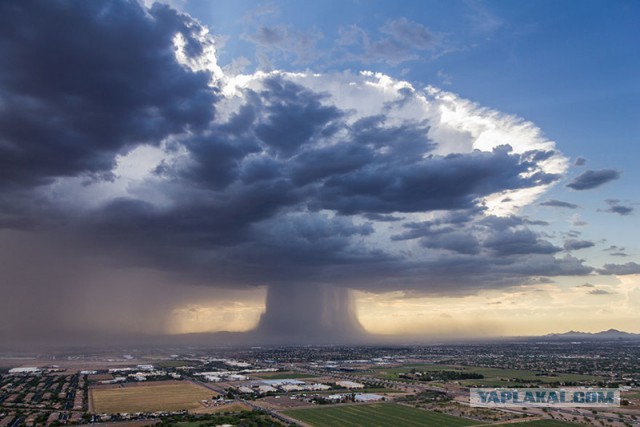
column 150, row 397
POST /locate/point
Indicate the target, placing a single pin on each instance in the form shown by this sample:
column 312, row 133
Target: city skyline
column 429, row 169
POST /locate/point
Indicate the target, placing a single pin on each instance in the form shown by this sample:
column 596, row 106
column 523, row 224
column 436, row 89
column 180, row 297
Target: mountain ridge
column 608, row 334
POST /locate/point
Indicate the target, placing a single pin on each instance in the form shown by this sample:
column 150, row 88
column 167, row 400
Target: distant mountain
column 603, row 335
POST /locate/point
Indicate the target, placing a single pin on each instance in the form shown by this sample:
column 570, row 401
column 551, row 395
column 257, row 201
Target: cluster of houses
column 217, row 376
column 139, row 373
column 358, row 397
column 282, row 385
column 293, row 385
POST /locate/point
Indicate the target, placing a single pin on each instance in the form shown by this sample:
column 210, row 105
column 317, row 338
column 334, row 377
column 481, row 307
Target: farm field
column 379, row 414
column 282, row 375
column 492, row 376
column 157, row 396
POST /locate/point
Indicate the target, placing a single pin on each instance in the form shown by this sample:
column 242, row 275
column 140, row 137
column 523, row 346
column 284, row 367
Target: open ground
column 151, row 397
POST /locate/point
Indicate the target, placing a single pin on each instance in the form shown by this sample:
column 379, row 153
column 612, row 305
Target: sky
column 319, row 170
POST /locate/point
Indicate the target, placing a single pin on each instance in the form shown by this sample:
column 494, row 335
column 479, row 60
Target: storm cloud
column 83, row 82
column 129, row 142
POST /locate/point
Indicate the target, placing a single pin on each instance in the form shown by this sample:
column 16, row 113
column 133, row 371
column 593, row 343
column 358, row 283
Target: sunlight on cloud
column 206, row 61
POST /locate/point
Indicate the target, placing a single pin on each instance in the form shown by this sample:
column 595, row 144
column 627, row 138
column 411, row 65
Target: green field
column 282, row 375
column 541, row 423
column 492, row 376
column 377, row 414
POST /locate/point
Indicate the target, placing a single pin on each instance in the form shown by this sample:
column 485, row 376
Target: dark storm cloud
column 518, row 242
column 81, row 82
column 574, row 245
column 462, row 243
column 449, row 275
column 316, row 164
column 592, row 179
column 620, row 269
column 434, row 236
column 194, row 223
column 558, row 204
column 449, row 182
column 407, row 142
column 295, row 116
column 217, row 161
column 383, row 218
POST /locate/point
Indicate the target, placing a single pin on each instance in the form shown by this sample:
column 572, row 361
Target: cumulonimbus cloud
column 151, row 155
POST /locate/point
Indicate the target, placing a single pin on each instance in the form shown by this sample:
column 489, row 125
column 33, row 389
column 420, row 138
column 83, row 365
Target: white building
column 25, row 370
column 236, row 363
column 284, row 381
column 367, row 397
column 291, row 387
column 335, row 397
